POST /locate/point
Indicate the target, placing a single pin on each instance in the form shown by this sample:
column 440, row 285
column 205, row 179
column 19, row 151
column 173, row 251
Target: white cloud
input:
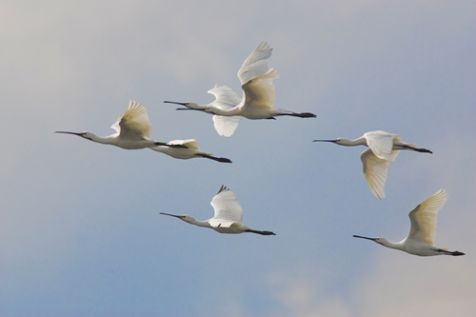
column 397, row 285
column 401, row 285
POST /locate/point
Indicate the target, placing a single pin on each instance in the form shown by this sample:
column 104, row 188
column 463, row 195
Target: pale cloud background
column 80, row 233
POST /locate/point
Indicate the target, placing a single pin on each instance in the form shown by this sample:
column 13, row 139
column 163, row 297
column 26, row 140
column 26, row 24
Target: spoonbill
column 132, row 131
column 383, row 149
column 256, row 80
column 227, row 216
column 189, row 151
column 420, row 240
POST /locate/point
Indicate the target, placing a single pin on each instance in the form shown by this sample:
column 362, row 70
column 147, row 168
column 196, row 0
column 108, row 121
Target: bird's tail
column 211, row 157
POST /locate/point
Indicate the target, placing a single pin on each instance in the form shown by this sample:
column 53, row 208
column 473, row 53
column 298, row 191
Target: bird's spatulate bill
column 362, row 237
column 332, row 141
column 179, row 103
column 175, row 102
column 171, row 215
column 69, row 132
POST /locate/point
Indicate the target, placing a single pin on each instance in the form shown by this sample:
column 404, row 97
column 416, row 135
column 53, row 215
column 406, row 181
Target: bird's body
column 188, row 151
column 383, row 148
column 132, row 130
column 257, row 101
column 420, row 240
column 227, row 218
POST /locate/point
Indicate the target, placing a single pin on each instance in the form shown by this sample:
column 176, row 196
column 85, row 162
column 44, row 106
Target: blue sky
column 80, row 230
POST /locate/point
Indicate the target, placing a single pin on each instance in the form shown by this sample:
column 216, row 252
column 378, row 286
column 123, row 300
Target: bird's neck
column 223, row 112
column 349, row 142
column 100, row 139
column 199, row 223
column 392, row 245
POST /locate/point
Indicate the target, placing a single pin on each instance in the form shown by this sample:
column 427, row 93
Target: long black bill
column 69, row 132
column 362, row 237
column 176, row 103
column 171, row 215
column 332, row 141
column 179, row 103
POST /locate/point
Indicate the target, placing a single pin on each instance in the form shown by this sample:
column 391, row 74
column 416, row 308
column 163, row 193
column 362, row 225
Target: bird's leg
column 453, row 253
column 262, row 232
column 211, row 157
column 296, row 114
column 403, row 146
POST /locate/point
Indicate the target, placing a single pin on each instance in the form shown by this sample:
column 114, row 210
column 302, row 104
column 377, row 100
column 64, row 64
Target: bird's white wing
column 189, row 144
column 259, row 92
column 257, row 78
column 225, row 98
column 423, row 217
column 381, row 143
column 255, row 64
column 226, row 205
column 225, row 126
column 134, row 123
column 375, row 172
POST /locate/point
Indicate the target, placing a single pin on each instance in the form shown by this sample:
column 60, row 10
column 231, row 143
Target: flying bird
column 383, row 148
column 132, row 131
column 258, row 98
column 190, row 150
column 420, row 240
column 227, row 217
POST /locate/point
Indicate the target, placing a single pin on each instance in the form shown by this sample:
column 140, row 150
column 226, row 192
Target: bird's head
column 381, row 241
column 85, row 135
column 185, row 218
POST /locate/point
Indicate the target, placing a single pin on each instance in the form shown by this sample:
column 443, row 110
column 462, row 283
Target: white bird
column 190, row 150
column 227, row 217
column 383, row 149
column 132, row 131
column 256, row 80
column 420, row 240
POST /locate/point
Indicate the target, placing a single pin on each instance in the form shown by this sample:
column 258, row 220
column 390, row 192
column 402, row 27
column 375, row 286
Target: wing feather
column 225, row 126
column 423, row 217
column 255, row 64
column 190, row 144
column 226, row 206
column 375, row 172
column 260, row 93
column 225, row 98
column 134, row 123
column 256, row 80
column 381, row 143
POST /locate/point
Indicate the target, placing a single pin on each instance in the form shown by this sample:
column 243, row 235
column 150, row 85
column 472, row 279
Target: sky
column 80, row 229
